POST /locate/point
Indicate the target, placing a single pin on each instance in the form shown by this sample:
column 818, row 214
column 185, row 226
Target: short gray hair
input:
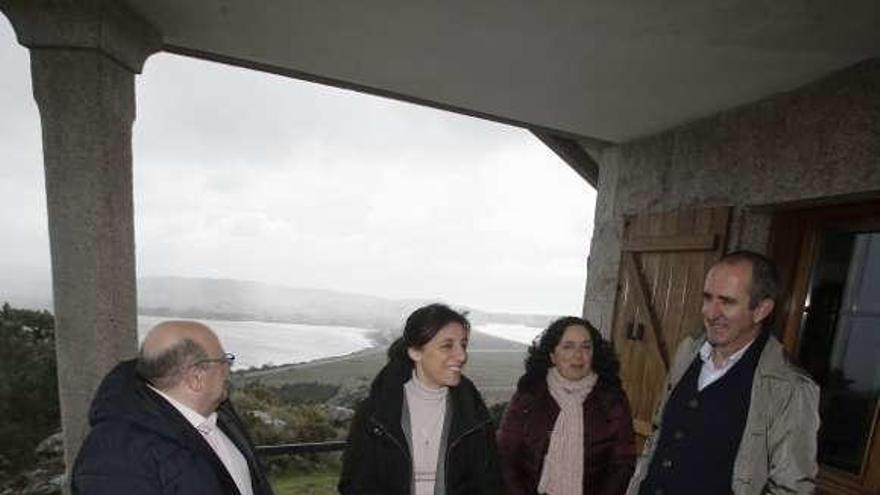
column 165, row 369
column 765, row 276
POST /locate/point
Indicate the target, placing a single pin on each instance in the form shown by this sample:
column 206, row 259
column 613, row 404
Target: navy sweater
column 702, row 430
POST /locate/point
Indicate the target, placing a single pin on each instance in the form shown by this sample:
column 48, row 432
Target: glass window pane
column 840, row 344
column 868, row 298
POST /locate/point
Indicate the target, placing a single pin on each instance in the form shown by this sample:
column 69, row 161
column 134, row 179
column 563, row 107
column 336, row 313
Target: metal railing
column 300, row 448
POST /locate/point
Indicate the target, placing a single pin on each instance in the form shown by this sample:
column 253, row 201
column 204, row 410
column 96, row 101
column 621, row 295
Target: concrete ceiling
column 611, row 70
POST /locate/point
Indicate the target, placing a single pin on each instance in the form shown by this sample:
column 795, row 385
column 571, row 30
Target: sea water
column 259, row 343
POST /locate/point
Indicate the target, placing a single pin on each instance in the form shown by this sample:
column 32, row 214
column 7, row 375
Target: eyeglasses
column 228, row 358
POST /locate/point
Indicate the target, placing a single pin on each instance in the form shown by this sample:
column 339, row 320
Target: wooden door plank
column 692, row 295
column 645, row 366
column 667, row 279
column 642, row 428
column 640, row 292
column 634, row 366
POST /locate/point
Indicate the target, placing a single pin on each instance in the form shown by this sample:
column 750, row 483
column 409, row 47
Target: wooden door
column 664, row 260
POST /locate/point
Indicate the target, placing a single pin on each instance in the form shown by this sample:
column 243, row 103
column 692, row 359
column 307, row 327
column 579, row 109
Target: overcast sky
column 239, row 174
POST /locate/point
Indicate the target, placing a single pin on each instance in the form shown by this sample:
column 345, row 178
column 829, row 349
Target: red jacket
column 609, row 442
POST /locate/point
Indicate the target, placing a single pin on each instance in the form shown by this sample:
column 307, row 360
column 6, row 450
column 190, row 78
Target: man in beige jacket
column 737, row 417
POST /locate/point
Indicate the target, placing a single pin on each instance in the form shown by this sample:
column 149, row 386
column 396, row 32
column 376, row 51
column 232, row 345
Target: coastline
column 269, row 369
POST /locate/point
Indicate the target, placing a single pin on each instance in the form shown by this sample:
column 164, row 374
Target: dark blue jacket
column 141, row 445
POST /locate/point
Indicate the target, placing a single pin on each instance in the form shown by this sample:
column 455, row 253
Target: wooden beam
column 573, row 154
column 645, row 244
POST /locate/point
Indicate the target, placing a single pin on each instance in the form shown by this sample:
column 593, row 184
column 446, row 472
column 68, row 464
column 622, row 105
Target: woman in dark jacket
column 568, row 428
column 424, row 429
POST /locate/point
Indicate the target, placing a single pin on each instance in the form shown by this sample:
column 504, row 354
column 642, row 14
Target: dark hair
column 421, row 326
column 165, row 369
column 765, row 277
column 605, row 362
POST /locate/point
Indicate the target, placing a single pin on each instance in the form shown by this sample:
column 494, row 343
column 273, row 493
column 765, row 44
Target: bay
column 260, row 343
column 517, row 333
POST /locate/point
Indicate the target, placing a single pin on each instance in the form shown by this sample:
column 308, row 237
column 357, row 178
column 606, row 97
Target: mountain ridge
column 233, row 299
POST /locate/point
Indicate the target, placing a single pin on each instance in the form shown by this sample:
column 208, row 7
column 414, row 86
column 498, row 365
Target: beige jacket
column 777, row 453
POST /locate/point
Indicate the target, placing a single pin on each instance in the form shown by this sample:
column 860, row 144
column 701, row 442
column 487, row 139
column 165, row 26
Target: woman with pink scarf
column 568, row 428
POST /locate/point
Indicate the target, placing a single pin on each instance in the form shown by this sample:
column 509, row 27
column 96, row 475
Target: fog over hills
column 26, row 286
column 226, row 299
column 236, row 299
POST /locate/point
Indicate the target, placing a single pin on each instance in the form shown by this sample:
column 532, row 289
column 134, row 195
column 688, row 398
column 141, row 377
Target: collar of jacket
column 771, row 363
column 468, row 413
column 125, row 397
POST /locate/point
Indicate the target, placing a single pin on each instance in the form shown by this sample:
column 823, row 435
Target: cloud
column 245, row 175
column 23, row 223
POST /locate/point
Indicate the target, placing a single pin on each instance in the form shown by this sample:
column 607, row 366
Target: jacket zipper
column 384, row 432
column 451, row 445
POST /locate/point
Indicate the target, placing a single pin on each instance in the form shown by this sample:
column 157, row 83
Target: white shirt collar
column 199, row 422
column 706, row 355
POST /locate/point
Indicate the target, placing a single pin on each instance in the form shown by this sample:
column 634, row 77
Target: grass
column 321, row 482
column 494, row 372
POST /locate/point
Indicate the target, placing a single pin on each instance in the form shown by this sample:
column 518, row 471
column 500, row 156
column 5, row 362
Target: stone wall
column 818, row 143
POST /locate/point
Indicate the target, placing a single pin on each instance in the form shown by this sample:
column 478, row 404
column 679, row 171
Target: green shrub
column 306, row 393
column 29, row 410
column 272, row 420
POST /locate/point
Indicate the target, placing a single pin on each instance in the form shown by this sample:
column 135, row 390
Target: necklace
column 427, row 408
column 432, row 430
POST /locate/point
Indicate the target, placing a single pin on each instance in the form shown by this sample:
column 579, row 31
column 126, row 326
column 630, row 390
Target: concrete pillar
column 603, row 265
column 84, row 55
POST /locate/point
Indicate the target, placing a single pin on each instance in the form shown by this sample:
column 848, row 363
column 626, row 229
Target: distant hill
column 226, row 299
column 242, row 300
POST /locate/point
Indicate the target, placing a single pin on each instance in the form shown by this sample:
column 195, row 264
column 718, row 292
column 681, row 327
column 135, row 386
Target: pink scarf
column 563, row 470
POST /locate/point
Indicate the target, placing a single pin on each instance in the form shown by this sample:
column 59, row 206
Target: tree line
column 29, row 409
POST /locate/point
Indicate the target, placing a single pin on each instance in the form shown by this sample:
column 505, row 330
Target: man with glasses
column 162, row 423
